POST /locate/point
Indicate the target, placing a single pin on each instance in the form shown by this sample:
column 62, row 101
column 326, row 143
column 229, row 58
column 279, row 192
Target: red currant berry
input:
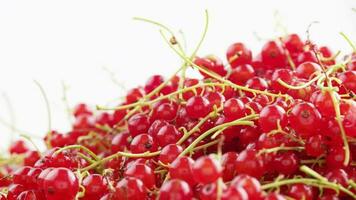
column 273, row 55
column 142, row 172
column 168, row 134
column 130, row 188
column 293, row 43
column 138, row 124
column 120, row 142
column 248, row 163
column 305, row 119
column 241, row 74
column 270, row 116
column 238, row 54
column 228, row 161
column 315, row 146
column 153, row 82
column 143, row 143
column 307, row 69
column 300, row 191
column 181, row 168
column 206, row 170
column 175, row 189
column 169, row 153
column 95, row 186
column 198, row 107
column 60, row 183
column 234, row 108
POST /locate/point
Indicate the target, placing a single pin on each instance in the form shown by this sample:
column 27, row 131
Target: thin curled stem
column 81, row 147
column 216, row 76
column 353, row 46
column 241, row 121
column 316, row 181
column 49, row 115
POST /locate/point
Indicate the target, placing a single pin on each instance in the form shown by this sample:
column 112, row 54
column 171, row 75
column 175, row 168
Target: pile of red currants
column 278, row 125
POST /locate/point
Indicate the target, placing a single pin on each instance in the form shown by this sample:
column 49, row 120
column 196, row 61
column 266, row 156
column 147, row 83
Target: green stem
column 336, row 105
column 120, row 154
column 312, row 173
column 197, row 126
column 81, row 147
column 216, row 76
column 280, row 148
column 48, row 108
column 241, row 121
column 353, row 46
column 308, row 181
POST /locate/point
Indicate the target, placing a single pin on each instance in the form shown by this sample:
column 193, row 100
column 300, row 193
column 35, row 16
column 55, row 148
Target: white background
column 72, row 40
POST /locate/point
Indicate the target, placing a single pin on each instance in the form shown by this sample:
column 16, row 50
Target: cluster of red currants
column 279, row 125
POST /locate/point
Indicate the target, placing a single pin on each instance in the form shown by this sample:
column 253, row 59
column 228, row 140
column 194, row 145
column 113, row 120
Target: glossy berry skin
column 305, row 119
column 143, row 143
column 197, row 107
column 324, row 103
column 270, row 115
column 155, row 127
column 249, row 184
column 168, row 134
column 188, row 83
column 307, row 69
column 285, row 75
column 211, row 63
column 274, row 196
column 138, row 124
column 31, row 157
column 248, row 163
column 181, row 168
column 169, row 153
column 349, row 120
column 256, row 83
column 300, row 191
column 20, row 175
column 142, row 172
column 27, row 195
column 238, row 54
column 338, row 176
column 208, row 192
column 175, row 189
column 235, row 193
column 286, row 163
column 60, row 183
column 306, row 56
column 95, row 186
column 18, row 147
column 215, row 98
column 335, row 157
column 234, row 109
column 166, row 111
column 206, row 170
column 81, row 109
column 119, row 142
column 241, row 74
column 348, row 80
column 228, row 162
column 315, row 146
column 134, row 95
column 130, row 188
column 153, row 82
column 14, row 190
column 32, row 179
column 293, row 43
column 273, row 55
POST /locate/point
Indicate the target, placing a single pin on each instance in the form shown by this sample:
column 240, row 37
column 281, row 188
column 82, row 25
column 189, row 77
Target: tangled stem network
column 246, row 130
